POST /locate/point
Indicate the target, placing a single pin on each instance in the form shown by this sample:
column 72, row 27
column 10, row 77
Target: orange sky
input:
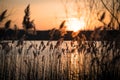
column 48, row 14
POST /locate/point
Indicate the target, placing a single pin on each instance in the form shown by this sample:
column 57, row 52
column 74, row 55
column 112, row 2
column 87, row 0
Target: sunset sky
column 49, row 14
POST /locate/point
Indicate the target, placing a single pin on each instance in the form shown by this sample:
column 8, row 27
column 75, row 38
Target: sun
column 75, row 24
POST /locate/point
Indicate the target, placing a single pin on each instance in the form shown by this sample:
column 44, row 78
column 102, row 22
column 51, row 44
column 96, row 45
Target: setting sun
column 75, row 24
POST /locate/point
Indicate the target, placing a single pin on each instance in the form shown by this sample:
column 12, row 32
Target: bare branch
column 111, row 13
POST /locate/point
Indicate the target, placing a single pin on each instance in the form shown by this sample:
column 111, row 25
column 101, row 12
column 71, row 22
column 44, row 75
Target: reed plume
column 3, row 15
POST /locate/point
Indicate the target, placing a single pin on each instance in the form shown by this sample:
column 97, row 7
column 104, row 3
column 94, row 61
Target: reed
column 77, row 59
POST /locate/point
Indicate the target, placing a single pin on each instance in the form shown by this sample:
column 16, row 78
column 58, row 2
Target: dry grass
column 77, row 59
column 89, row 60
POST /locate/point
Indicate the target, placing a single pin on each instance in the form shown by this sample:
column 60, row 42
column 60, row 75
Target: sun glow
column 75, row 24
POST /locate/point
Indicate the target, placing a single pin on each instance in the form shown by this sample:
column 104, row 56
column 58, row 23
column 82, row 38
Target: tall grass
column 77, row 59
column 92, row 60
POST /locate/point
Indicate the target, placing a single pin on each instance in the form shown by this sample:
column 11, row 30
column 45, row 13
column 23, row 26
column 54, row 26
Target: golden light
column 75, row 24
